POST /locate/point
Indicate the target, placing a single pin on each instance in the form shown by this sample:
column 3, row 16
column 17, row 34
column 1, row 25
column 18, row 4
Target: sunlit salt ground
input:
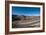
column 27, row 23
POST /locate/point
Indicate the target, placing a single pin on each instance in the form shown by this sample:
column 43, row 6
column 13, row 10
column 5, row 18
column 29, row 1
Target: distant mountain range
column 22, row 17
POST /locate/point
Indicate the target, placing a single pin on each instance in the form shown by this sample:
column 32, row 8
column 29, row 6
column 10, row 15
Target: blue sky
column 27, row 11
